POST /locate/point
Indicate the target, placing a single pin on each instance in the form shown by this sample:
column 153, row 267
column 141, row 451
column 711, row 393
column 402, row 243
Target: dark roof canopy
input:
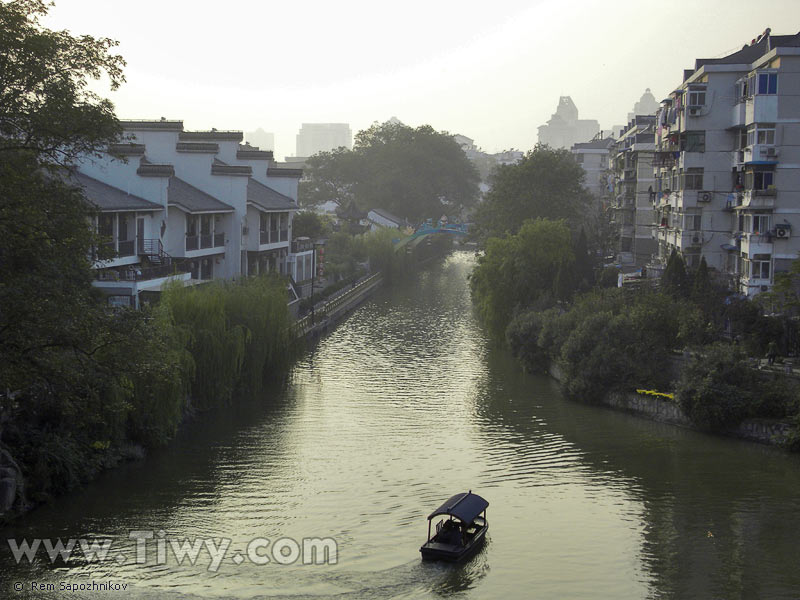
column 464, row 506
column 107, row 198
column 192, row 200
column 266, row 198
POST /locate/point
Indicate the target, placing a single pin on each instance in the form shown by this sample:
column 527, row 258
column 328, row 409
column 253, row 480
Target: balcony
column 759, row 152
column 759, row 198
column 739, row 119
column 126, row 248
column 139, row 273
column 192, row 242
column 761, row 108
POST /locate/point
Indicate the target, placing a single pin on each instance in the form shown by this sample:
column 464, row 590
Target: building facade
column 564, row 128
column 206, row 207
column 322, row 137
column 727, row 164
column 631, row 185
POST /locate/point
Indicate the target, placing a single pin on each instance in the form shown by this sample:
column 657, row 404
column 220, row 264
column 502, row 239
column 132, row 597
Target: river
column 401, row 406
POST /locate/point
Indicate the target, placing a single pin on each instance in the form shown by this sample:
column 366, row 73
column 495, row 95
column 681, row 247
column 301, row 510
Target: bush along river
column 404, row 404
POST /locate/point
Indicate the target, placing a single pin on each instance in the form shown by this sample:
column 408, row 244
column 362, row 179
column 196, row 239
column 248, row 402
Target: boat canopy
column 464, row 506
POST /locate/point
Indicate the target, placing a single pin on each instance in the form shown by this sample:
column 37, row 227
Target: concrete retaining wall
column 664, row 410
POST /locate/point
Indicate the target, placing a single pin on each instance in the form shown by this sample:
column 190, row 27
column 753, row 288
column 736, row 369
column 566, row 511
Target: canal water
column 403, row 405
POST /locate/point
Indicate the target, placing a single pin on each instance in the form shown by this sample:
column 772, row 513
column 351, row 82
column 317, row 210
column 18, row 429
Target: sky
column 490, row 71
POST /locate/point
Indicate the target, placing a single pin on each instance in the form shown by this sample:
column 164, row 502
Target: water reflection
column 402, row 406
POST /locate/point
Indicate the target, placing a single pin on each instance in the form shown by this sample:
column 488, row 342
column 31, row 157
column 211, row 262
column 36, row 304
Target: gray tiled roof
column 267, row 198
column 107, row 198
column 192, row 200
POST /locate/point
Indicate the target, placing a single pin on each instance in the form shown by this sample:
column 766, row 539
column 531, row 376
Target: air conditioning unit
column 696, row 239
column 705, row 196
column 772, row 151
column 694, row 110
column 782, row 232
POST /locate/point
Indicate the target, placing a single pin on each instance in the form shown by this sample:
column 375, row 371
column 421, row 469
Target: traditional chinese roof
column 192, row 200
column 108, row 198
column 265, row 198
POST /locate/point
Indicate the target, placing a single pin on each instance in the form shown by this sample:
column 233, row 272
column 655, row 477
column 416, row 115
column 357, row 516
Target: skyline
column 494, row 76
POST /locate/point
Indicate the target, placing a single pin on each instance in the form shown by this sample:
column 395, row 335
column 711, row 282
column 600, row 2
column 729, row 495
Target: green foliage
column 309, row 224
column 674, row 280
column 546, row 183
column 522, row 336
column 46, row 107
column 718, row 389
column 413, row 173
column 238, row 335
column 517, row 270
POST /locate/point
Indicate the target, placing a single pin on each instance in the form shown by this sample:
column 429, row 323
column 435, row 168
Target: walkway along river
column 400, row 406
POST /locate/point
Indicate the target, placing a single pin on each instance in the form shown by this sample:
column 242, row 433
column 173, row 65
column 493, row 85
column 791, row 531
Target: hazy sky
column 490, row 70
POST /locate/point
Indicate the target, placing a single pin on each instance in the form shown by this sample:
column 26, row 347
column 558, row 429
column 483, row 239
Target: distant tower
column 646, row 105
column 565, row 128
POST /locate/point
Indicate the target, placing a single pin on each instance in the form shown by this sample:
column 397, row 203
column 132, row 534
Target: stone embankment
column 665, row 410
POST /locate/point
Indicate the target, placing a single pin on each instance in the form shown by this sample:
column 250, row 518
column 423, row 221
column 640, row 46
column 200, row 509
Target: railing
column 151, row 247
column 206, row 241
column 192, row 242
column 126, row 248
column 219, row 240
column 273, row 236
column 137, row 273
column 264, row 238
column 284, row 235
column 305, row 323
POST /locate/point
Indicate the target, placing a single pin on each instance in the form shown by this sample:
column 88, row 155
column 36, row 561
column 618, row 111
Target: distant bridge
column 427, row 229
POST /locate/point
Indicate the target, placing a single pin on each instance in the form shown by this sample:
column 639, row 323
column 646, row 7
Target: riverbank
column 774, row 432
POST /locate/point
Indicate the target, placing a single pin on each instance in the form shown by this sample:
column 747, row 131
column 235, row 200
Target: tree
column 414, row 173
column 546, row 183
column 45, row 105
column 310, row 224
column 74, row 372
column 674, row 280
column 518, row 270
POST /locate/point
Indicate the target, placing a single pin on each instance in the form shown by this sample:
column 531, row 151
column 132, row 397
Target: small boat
column 461, row 533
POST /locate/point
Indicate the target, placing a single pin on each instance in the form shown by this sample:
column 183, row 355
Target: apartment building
column 631, row 184
column 322, row 137
column 593, row 158
column 727, row 163
column 188, row 205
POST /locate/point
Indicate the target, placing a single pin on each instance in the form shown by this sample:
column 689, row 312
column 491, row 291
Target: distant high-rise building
column 647, row 105
column 564, row 129
column 322, row 137
column 264, row 140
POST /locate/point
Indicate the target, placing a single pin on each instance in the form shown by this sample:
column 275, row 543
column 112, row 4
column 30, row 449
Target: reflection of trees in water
column 720, row 516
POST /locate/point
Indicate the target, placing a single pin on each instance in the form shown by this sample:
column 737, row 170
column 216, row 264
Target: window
column 191, row 225
column 760, row 223
column 693, row 179
column 767, row 83
column 695, row 141
column 692, row 222
column 759, row 180
column 697, row 97
column 760, row 266
column 765, row 135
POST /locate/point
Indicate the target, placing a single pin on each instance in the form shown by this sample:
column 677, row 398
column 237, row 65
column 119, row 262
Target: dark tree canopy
column 413, row 173
column 546, row 183
column 45, row 104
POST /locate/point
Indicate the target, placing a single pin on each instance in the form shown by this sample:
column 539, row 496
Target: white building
column 631, row 184
column 322, row 137
column 223, row 210
column 593, row 158
column 378, row 217
column 728, row 163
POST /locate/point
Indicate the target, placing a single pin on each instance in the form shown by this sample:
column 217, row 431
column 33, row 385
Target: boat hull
column 434, row 550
